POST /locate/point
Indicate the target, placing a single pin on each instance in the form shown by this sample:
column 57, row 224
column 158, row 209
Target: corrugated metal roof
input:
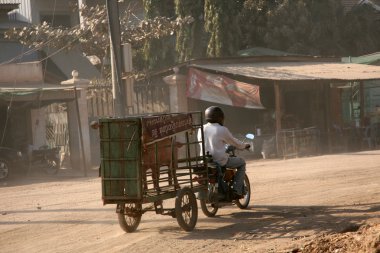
column 348, row 4
column 298, row 71
column 262, row 51
column 371, row 59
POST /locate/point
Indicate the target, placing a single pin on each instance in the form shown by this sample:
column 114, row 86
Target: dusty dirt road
column 293, row 201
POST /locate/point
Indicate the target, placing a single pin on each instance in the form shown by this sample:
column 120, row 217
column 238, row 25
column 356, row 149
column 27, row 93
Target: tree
column 159, row 52
column 221, row 21
column 191, row 40
column 219, row 28
column 360, row 31
column 287, row 26
column 92, row 36
column 324, row 36
column 253, row 21
column 322, row 28
column 306, row 27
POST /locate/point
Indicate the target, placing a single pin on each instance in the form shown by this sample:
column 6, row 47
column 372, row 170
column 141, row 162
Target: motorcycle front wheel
column 244, row 202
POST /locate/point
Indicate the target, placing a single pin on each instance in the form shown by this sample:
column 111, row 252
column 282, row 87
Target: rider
column 216, row 136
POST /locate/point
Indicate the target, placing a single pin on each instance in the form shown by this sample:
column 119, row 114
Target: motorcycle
column 48, row 159
column 220, row 186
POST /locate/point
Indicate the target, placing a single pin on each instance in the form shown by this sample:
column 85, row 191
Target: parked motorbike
column 45, row 158
column 220, row 186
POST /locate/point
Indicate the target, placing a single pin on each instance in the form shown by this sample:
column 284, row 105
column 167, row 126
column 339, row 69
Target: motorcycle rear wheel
column 209, row 209
column 4, row 169
column 244, row 202
column 52, row 166
column 210, row 205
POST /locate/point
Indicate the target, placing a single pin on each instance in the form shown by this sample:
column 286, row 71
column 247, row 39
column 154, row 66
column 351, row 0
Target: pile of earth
column 366, row 239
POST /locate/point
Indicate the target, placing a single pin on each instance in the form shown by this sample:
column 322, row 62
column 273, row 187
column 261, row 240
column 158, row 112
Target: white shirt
column 215, row 139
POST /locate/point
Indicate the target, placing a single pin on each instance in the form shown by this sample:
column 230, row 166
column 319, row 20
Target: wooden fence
column 148, row 97
column 298, row 142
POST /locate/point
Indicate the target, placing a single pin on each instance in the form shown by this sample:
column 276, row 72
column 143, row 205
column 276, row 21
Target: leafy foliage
column 191, row 40
column 288, row 26
column 221, row 21
column 218, row 28
column 306, row 27
column 320, row 28
column 158, row 52
column 360, row 34
column 93, row 34
column 253, row 21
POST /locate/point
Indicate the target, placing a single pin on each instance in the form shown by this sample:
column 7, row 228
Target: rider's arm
column 229, row 139
column 199, row 137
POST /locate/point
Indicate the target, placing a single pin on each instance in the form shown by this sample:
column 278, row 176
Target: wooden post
column 80, row 145
column 128, row 82
column 80, row 133
column 116, row 59
column 327, row 114
column 362, row 103
column 278, row 106
column 177, row 89
column 278, row 98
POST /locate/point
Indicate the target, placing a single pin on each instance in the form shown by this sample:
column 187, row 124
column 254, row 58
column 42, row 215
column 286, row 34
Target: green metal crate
column 120, row 146
column 121, row 150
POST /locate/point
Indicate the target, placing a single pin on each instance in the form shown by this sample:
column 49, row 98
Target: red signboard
column 223, row 90
column 157, row 127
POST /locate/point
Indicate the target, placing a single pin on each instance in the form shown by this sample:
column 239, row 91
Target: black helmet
column 214, row 114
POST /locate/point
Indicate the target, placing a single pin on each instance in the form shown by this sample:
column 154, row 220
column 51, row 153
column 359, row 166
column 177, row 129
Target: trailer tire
column 186, row 209
column 129, row 216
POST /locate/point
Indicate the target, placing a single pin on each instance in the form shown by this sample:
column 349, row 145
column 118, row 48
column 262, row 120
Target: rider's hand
column 247, row 146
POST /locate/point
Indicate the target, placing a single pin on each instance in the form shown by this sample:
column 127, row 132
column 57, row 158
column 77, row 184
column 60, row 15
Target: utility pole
column 118, row 88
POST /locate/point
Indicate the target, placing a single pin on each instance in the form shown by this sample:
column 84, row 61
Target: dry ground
column 294, row 202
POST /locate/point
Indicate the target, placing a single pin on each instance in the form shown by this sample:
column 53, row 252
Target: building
column 297, row 99
column 30, row 80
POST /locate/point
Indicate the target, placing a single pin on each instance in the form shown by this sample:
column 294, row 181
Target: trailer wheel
column 244, row 202
column 129, row 216
column 186, row 209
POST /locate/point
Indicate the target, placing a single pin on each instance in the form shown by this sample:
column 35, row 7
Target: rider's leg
column 239, row 164
column 222, row 186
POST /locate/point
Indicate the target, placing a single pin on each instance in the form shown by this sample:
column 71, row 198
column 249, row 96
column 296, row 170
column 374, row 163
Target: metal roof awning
column 373, row 59
column 297, row 71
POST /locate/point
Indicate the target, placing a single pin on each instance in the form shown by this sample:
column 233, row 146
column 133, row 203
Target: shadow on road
column 35, row 177
column 269, row 222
